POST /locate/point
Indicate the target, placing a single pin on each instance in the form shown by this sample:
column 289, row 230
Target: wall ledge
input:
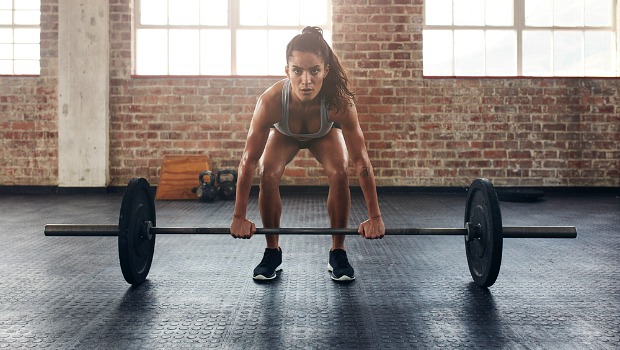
column 322, row 190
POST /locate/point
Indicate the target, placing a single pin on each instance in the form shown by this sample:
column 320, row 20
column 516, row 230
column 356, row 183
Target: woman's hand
column 372, row 228
column 242, row 228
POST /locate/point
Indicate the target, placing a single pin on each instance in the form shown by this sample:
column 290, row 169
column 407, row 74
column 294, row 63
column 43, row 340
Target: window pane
column 568, row 13
column 6, row 35
column 26, row 67
column 153, row 11
column 6, row 51
column 313, row 12
column 568, row 53
column 327, row 36
column 215, row 52
column 27, row 4
column 539, row 13
column 501, row 52
column 6, row 67
column 214, row 12
column 252, row 54
column 26, row 51
column 28, row 36
column 27, row 17
column 469, row 52
column 469, row 12
column 537, row 53
column 184, row 12
column 438, row 12
column 6, row 4
column 184, row 52
column 600, row 54
column 599, row 13
column 278, row 39
column 437, row 52
column 253, row 12
column 6, row 17
column 152, row 51
column 283, row 12
column 499, row 13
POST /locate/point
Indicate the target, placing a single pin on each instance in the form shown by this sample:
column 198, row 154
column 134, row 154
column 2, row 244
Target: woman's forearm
column 245, row 179
column 366, row 177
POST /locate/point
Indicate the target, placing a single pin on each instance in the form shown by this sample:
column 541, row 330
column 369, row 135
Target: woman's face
column 306, row 71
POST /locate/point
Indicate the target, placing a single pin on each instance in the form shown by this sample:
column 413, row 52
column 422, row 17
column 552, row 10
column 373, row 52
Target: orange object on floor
column 179, row 175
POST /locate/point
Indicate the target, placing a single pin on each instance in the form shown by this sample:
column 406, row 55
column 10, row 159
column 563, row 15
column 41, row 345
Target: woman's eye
column 315, row 71
column 297, row 71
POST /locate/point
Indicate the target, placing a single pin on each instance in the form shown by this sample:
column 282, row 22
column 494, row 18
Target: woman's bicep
column 258, row 132
column 353, row 135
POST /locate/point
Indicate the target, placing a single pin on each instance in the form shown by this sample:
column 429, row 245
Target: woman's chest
column 305, row 122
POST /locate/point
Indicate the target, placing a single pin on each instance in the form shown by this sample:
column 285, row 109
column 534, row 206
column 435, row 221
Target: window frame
column 519, row 27
column 233, row 25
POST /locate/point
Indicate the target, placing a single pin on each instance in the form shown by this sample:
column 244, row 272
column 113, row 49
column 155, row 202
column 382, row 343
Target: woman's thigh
column 279, row 151
column 331, row 151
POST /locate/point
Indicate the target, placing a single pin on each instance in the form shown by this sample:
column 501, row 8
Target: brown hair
column 335, row 88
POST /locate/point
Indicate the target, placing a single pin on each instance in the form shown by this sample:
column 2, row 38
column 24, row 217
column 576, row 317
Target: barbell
column 483, row 231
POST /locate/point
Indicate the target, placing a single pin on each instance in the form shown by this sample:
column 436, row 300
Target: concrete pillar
column 83, row 93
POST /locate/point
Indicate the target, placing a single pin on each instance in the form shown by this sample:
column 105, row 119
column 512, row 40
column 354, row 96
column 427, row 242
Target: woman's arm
column 258, row 134
column 356, row 146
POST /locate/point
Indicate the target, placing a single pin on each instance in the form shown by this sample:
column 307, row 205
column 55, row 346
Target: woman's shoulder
column 274, row 91
column 270, row 101
column 343, row 114
column 273, row 94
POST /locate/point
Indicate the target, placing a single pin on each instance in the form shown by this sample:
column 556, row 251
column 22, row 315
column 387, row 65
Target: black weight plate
column 484, row 253
column 135, row 249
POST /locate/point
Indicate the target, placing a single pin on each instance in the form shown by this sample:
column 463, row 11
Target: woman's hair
column 335, row 88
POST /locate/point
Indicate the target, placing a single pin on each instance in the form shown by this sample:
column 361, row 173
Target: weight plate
column 135, row 247
column 484, row 253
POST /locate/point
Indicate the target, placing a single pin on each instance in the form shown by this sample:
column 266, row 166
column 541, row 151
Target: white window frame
column 13, row 27
column 519, row 27
column 233, row 25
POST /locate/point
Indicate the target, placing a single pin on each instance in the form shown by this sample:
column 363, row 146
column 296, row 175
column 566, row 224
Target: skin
column 269, row 151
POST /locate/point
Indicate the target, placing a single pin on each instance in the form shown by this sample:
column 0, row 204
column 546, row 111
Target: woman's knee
column 338, row 176
column 270, row 176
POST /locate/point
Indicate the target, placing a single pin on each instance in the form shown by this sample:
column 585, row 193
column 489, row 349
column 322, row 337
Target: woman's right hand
column 242, row 228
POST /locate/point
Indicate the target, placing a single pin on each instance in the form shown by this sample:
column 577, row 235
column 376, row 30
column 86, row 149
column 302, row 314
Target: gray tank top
column 282, row 125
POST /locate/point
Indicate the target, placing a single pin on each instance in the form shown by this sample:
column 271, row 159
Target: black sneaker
column 339, row 267
column 272, row 262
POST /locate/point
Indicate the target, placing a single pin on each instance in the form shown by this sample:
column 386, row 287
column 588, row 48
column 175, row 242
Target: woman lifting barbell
column 312, row 108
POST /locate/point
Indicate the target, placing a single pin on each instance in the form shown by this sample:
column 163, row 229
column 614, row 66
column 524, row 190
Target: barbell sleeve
column 80, row 230
column 508, row 231
column 539, row 232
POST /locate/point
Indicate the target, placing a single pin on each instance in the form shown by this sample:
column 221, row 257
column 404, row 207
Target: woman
column 313, row 108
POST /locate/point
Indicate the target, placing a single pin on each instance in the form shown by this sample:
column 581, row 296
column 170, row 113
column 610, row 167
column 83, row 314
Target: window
column 20, row 37
column 521, row 38
column 221, row 37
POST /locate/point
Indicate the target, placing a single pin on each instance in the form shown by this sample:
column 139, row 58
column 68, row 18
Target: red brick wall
column 28, row 114
column 439, row 132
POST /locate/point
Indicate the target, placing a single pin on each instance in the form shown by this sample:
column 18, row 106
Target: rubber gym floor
column 410, row 292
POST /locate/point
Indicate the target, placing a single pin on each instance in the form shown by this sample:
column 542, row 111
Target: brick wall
column 438, row 132
column 28, row 114
column 446, row 131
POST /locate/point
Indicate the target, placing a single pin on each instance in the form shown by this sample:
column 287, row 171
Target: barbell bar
column 483, row 231
column 507, row 231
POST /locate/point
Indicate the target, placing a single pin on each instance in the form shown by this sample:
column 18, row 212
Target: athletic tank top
column 282, row 125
